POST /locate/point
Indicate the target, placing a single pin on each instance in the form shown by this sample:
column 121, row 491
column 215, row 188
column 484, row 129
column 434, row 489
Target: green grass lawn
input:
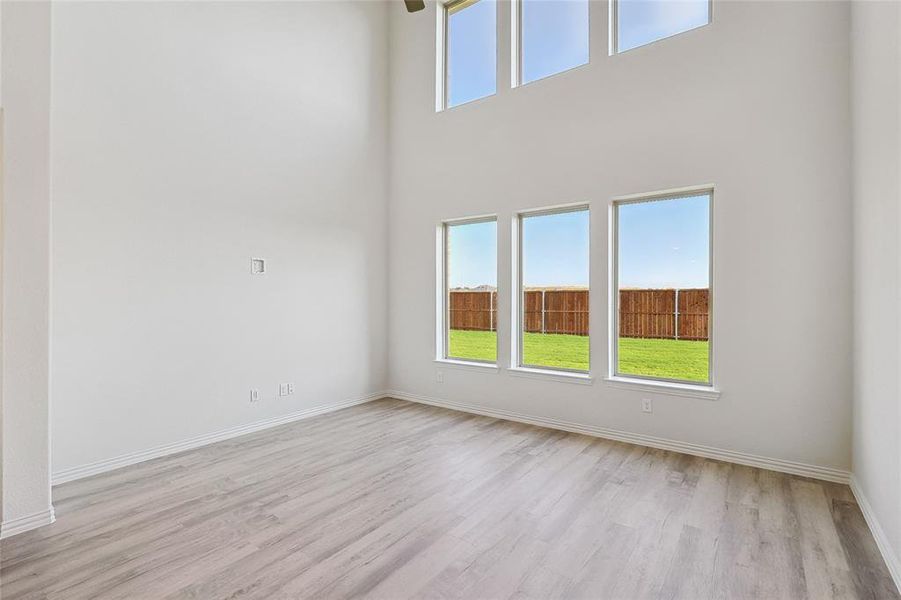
column 472, row 345
column 673, row 359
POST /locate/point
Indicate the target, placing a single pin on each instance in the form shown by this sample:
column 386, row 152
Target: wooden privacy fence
column 665, row 314
column 556, row 311
column 650, row 313
column 475, row 310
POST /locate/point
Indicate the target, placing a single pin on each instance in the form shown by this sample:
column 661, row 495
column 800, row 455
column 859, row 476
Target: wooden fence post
column 543, row 313
column 491, row 310
column 676, row 309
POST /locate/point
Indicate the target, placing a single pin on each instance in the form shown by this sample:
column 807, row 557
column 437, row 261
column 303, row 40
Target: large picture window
column 553, row 289
column 470, row 51
column 662, row 288
column 470, row 290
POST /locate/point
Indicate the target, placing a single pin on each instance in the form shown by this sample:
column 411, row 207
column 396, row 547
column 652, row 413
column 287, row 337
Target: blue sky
column 554, row 38
column 644, row 21
column 662, row 244
column 555, row 250
column 472, row 52
column 665, row 244
column 472, row 254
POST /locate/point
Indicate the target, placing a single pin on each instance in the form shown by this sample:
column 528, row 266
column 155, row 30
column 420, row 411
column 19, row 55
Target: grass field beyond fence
column 672, row 359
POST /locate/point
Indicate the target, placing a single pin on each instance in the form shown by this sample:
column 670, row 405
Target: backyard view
column 555, row 289
column 663, row 276
column 670, row 359
column 663, row 296
column 471, row 263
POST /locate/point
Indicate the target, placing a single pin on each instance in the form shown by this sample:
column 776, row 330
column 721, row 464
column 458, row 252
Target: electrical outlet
column 290, row 388
column 646, row 405
column 283, row 389
column 439, row 376
column 254, row 396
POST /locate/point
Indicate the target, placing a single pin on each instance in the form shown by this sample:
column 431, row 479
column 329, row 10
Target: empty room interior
column 477, row 299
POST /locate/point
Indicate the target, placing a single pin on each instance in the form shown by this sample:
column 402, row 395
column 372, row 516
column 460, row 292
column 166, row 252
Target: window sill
column 685, row 390
column 551, row 375
column 467, row 365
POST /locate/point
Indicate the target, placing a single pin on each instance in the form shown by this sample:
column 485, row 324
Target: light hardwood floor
column 397, row 500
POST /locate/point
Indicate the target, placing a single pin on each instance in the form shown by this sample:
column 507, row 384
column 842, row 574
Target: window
column 662, row 290
column 553, row 289
column 469, row 319
column 640, row 22
column 470, row 51
column 553, row 37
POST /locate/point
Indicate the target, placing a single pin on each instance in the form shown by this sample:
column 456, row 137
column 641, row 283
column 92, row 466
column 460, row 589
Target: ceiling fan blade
column 414, row 5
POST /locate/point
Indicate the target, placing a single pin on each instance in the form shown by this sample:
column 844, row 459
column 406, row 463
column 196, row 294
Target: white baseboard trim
column 885, row 548
column 27, row 523
column 80, row 472
column 741, row 458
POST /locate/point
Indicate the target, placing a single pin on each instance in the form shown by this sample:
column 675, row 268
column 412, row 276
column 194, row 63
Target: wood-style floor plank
column 396, row 500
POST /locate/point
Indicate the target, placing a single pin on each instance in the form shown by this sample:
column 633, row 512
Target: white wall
column 25, row 72
column 756, row 103
column 188, row 138
column 877, row 194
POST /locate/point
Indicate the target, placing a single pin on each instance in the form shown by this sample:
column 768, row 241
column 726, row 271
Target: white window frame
column 515, row 43
column 442, row 86
column 706, row 389
column 442, row 293
column 518, row 300
column 614, row 28
column 516, row 46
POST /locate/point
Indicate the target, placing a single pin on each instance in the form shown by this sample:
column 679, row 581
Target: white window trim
column 694, row 389
column 518, row 322
column 667, row 388
column 515, row 43
column 558, row 375
column 442, row 330
column 613, row 33
column 440, row 57
column 468, row 365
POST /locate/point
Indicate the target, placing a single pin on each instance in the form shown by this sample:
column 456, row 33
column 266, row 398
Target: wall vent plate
column 257, row 266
